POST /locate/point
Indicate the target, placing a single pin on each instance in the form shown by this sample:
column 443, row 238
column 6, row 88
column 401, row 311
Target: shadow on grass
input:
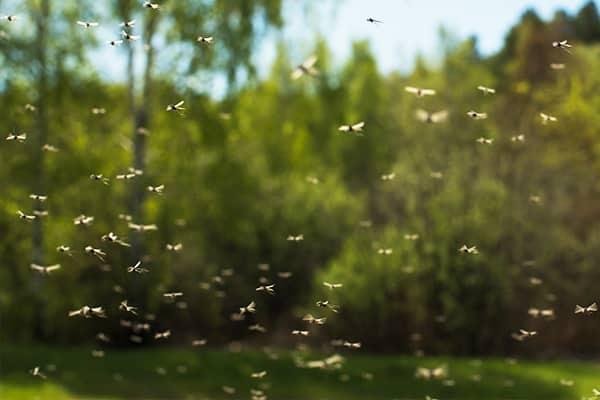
column 200, row 374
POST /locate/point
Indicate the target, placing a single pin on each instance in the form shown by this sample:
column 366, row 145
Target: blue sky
column 410, row 26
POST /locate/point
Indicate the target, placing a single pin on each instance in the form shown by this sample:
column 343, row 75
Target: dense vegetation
column 267, row 161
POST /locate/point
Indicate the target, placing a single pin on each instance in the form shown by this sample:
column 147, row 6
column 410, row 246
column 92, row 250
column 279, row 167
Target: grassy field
column 200, row 374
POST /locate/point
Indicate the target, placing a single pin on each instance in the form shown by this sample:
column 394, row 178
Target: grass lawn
column 158, row 374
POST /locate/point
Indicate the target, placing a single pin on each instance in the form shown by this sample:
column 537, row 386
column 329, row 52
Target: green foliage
column 587, row 23
column 244, row 173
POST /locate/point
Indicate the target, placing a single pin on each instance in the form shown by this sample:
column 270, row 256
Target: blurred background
column 257, row 157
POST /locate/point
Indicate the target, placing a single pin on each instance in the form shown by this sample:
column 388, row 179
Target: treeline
column 384, row 213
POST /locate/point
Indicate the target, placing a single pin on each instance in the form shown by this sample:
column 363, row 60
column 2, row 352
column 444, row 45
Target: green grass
column 80, row 376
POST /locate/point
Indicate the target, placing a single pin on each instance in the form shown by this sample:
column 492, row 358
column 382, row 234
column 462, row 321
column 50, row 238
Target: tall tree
column 139, row 103
column 42, row 17
column 235, row 30
column 587, row 23
column 32, row 66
